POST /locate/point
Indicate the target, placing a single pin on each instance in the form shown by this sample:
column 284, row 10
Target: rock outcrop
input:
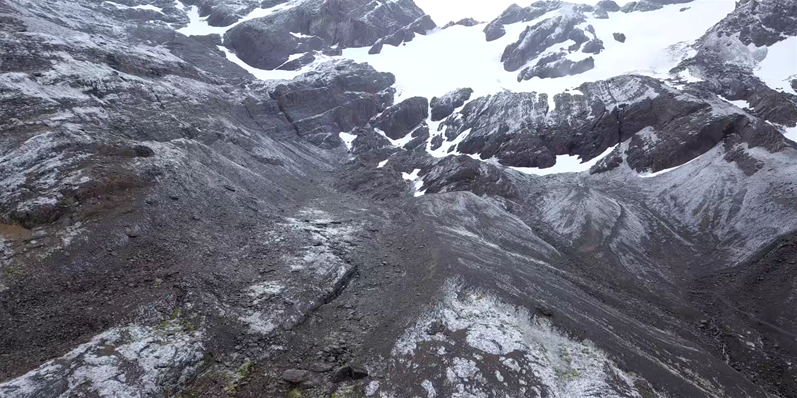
column 313, row 25
column 401, row 119
column 514, row 13
column 445, row 105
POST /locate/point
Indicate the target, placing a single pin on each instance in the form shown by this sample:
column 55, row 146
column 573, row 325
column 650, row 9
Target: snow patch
column 198, row 26
column 780, row 65
column 665, row 171
column 566, row 164
column 742, row 104
column 416, row 187
column 138, row 7
column 348, row 139
column 461, row 57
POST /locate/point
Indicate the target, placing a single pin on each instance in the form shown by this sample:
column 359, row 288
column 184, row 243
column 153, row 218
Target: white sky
column 443, row 11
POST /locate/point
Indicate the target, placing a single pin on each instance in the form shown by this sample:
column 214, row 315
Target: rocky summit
column 355, row 198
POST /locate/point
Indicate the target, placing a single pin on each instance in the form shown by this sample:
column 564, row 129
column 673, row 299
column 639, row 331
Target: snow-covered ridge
column 460, row 57
column 199, row 26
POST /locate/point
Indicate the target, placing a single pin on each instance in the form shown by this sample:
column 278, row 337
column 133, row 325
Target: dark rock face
column 641, row 6
column 728, row 67
column 514, row 13
column 607, row 5
column 536, row 39
column 462, row 22
column 682, row 125
column 558, row 67
column 579, row 37
column 461, row 173
column 494, row 32
column 377, row 47
column 762, row 23
column 330, row 101
column 267, row 42
column 445, row 105
column 226, row 13
column 298, row 63
column 619, row 37
column 600, row 14
column 594, row 46
column 404, row 35
column 402, row 118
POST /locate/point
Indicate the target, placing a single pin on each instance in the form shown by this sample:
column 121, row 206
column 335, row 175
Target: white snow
column 399, row 143
column 444, row 11
column 382, row 163
column 443, row 151
column 347, row 139
column 459, row 56
column 411, row 176
column 418, row 182
column 738, row 103
column 138, row 7
column 791, row 133
column 198, row 26
column 565, row 164
column 665, row 171
column 741, row 104
column 780, row 65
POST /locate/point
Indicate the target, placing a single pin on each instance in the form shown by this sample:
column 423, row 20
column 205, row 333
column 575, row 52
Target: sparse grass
column 243, row 373
column 295, row 393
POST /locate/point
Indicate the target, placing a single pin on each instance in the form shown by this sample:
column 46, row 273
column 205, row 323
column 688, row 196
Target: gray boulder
column 402, row 118
column 462, row 22
column 607, row 5
column 445, row 105
column 494, row 31
column 594, row 46
column 558, row 68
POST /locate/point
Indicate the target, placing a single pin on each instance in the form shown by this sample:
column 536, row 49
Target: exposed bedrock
column 267, row 42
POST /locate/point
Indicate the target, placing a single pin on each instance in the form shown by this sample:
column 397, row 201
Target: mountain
column 348, row 198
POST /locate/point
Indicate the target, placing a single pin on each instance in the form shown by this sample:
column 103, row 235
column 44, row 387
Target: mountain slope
column 385, row 209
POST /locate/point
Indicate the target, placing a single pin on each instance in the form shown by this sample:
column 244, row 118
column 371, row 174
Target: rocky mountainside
column 310, row 198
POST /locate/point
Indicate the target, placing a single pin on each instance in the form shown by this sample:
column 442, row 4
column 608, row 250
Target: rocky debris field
column 172, row 226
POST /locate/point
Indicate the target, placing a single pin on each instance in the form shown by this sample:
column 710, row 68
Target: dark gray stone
column 445, row 105
column 594, row 46
column 402, row 118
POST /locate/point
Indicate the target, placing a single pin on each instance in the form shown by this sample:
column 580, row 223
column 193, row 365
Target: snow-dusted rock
column 536, row 39
column 402, row 118
column 267, row 42
column 445, row 105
